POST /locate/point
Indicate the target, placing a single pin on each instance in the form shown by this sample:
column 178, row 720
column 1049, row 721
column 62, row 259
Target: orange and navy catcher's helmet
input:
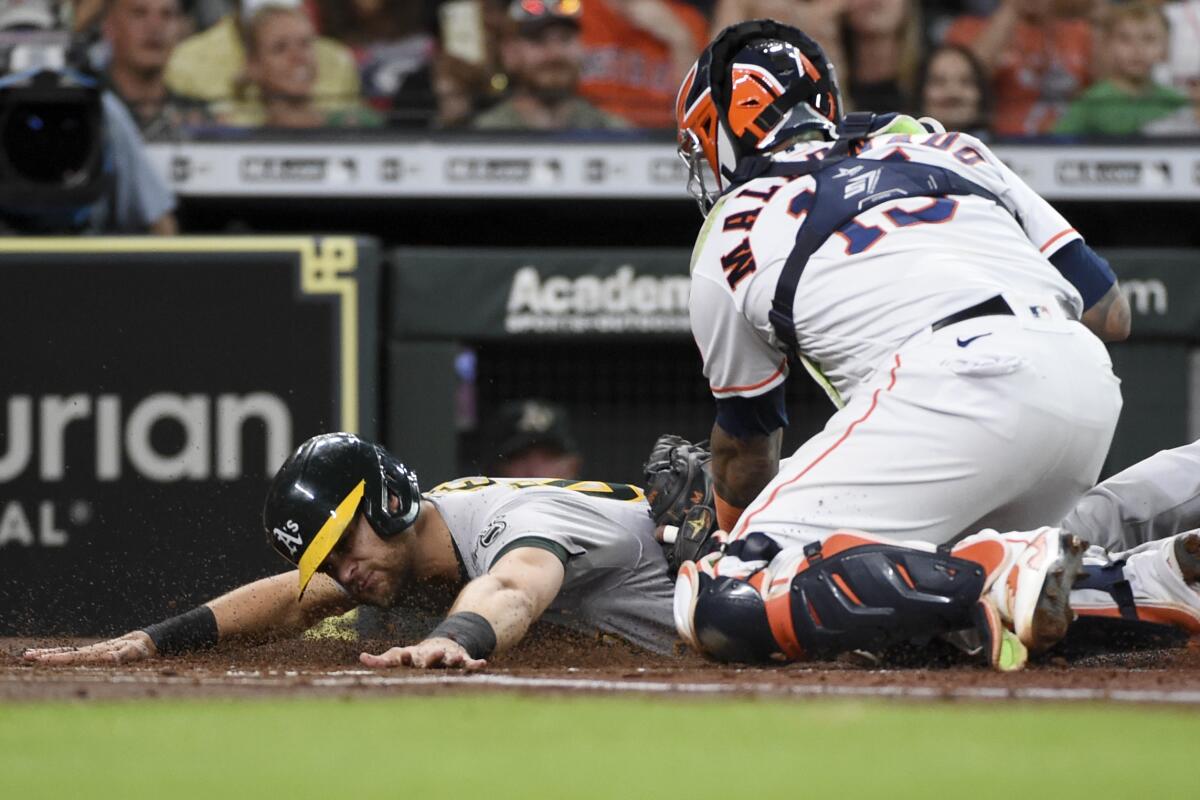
column 757, row 85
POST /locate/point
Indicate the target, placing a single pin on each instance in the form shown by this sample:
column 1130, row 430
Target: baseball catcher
column 954, row 317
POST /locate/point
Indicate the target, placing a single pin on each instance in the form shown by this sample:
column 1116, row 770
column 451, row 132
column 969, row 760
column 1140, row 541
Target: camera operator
column 71, row 158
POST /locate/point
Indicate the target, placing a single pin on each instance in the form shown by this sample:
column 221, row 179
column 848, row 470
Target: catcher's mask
column 319, row 489
column 759, row 84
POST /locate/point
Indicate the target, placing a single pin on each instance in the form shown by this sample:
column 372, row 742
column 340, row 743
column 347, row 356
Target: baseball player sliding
column 581, row 554
column 505, row 552
column 953, row 316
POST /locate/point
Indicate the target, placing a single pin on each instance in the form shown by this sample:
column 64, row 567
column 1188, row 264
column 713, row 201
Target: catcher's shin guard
column 855, row 593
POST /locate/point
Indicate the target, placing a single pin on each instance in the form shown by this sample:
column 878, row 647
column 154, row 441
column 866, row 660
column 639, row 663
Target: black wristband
column 470, row 630
column 192, row 630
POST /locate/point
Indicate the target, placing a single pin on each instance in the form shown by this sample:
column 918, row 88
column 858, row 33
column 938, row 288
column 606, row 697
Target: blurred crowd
column 1000, row 68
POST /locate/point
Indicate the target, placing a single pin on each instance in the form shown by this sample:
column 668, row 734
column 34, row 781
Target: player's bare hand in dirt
column 133, row 646
column 426, row 655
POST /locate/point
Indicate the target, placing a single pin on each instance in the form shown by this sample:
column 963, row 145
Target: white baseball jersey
column 615, row 574
column 897, row 268
column 995, row 420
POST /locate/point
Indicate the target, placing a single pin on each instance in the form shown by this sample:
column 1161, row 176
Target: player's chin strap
column 854, row 129
column 852, row 132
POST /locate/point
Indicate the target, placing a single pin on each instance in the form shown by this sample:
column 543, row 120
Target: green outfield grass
column 501, row 746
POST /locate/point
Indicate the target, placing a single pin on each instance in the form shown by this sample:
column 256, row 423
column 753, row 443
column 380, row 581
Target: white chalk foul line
column 350, row 679
column 1180, row 697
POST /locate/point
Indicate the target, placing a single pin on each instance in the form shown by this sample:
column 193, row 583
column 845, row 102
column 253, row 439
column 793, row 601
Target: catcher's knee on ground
column 847, row 593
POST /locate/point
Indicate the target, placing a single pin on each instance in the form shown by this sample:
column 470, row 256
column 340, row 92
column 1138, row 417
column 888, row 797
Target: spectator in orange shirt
column 1038, row 58
column 636, row 53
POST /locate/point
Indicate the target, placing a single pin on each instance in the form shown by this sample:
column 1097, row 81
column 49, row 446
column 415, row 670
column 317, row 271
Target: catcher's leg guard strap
column 755, row 547
column 870, row 596
column 1110, row 578
column 730, row 621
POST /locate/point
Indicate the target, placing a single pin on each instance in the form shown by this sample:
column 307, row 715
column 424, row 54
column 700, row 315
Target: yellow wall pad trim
column 327, row 266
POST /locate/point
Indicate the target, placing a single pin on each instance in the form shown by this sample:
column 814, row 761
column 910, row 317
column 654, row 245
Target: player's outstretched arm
column 253, row 612
column 491, row 613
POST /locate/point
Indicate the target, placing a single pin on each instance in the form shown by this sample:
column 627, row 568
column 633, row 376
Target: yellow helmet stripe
column 318, row 550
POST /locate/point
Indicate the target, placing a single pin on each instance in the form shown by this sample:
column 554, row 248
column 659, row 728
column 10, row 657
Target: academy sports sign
column 152, row 388
column 548, row 292
column 623, row 302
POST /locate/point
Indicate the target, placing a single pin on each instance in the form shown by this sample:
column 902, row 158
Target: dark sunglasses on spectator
column 544, row 10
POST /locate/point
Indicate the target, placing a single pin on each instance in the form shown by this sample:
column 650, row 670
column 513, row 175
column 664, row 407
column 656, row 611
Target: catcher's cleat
column 1001, row 648
column 1187, row 556
column 1037, row 588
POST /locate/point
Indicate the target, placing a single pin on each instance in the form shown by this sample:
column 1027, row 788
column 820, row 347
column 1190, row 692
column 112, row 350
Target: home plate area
column 1159, row 673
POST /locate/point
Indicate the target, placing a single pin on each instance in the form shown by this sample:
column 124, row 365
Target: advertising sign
column 151, row 388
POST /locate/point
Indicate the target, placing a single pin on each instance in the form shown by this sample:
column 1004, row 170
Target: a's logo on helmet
column 289, row 538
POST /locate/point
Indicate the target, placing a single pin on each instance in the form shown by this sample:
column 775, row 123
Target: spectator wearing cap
column 530, row 438
column 1135, row 36
column 1039, row 56
column 141, row 35
column 636, row 53
column 211, row 65
column 543, row 56
column 281, row 68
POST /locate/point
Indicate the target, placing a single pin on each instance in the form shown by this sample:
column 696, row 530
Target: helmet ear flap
column 727, row 153
column 394, row 480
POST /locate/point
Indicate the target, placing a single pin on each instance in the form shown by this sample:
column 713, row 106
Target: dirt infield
column 570, row 664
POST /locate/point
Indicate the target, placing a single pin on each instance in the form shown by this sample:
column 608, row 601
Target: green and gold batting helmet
column 319, row 489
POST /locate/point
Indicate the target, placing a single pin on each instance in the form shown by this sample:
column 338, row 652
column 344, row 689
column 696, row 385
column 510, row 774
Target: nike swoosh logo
column 968, row 340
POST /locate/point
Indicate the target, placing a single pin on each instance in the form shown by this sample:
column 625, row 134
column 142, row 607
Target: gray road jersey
column 616, row 577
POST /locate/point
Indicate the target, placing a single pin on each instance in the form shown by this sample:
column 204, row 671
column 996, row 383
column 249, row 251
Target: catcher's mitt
column 679, row 488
